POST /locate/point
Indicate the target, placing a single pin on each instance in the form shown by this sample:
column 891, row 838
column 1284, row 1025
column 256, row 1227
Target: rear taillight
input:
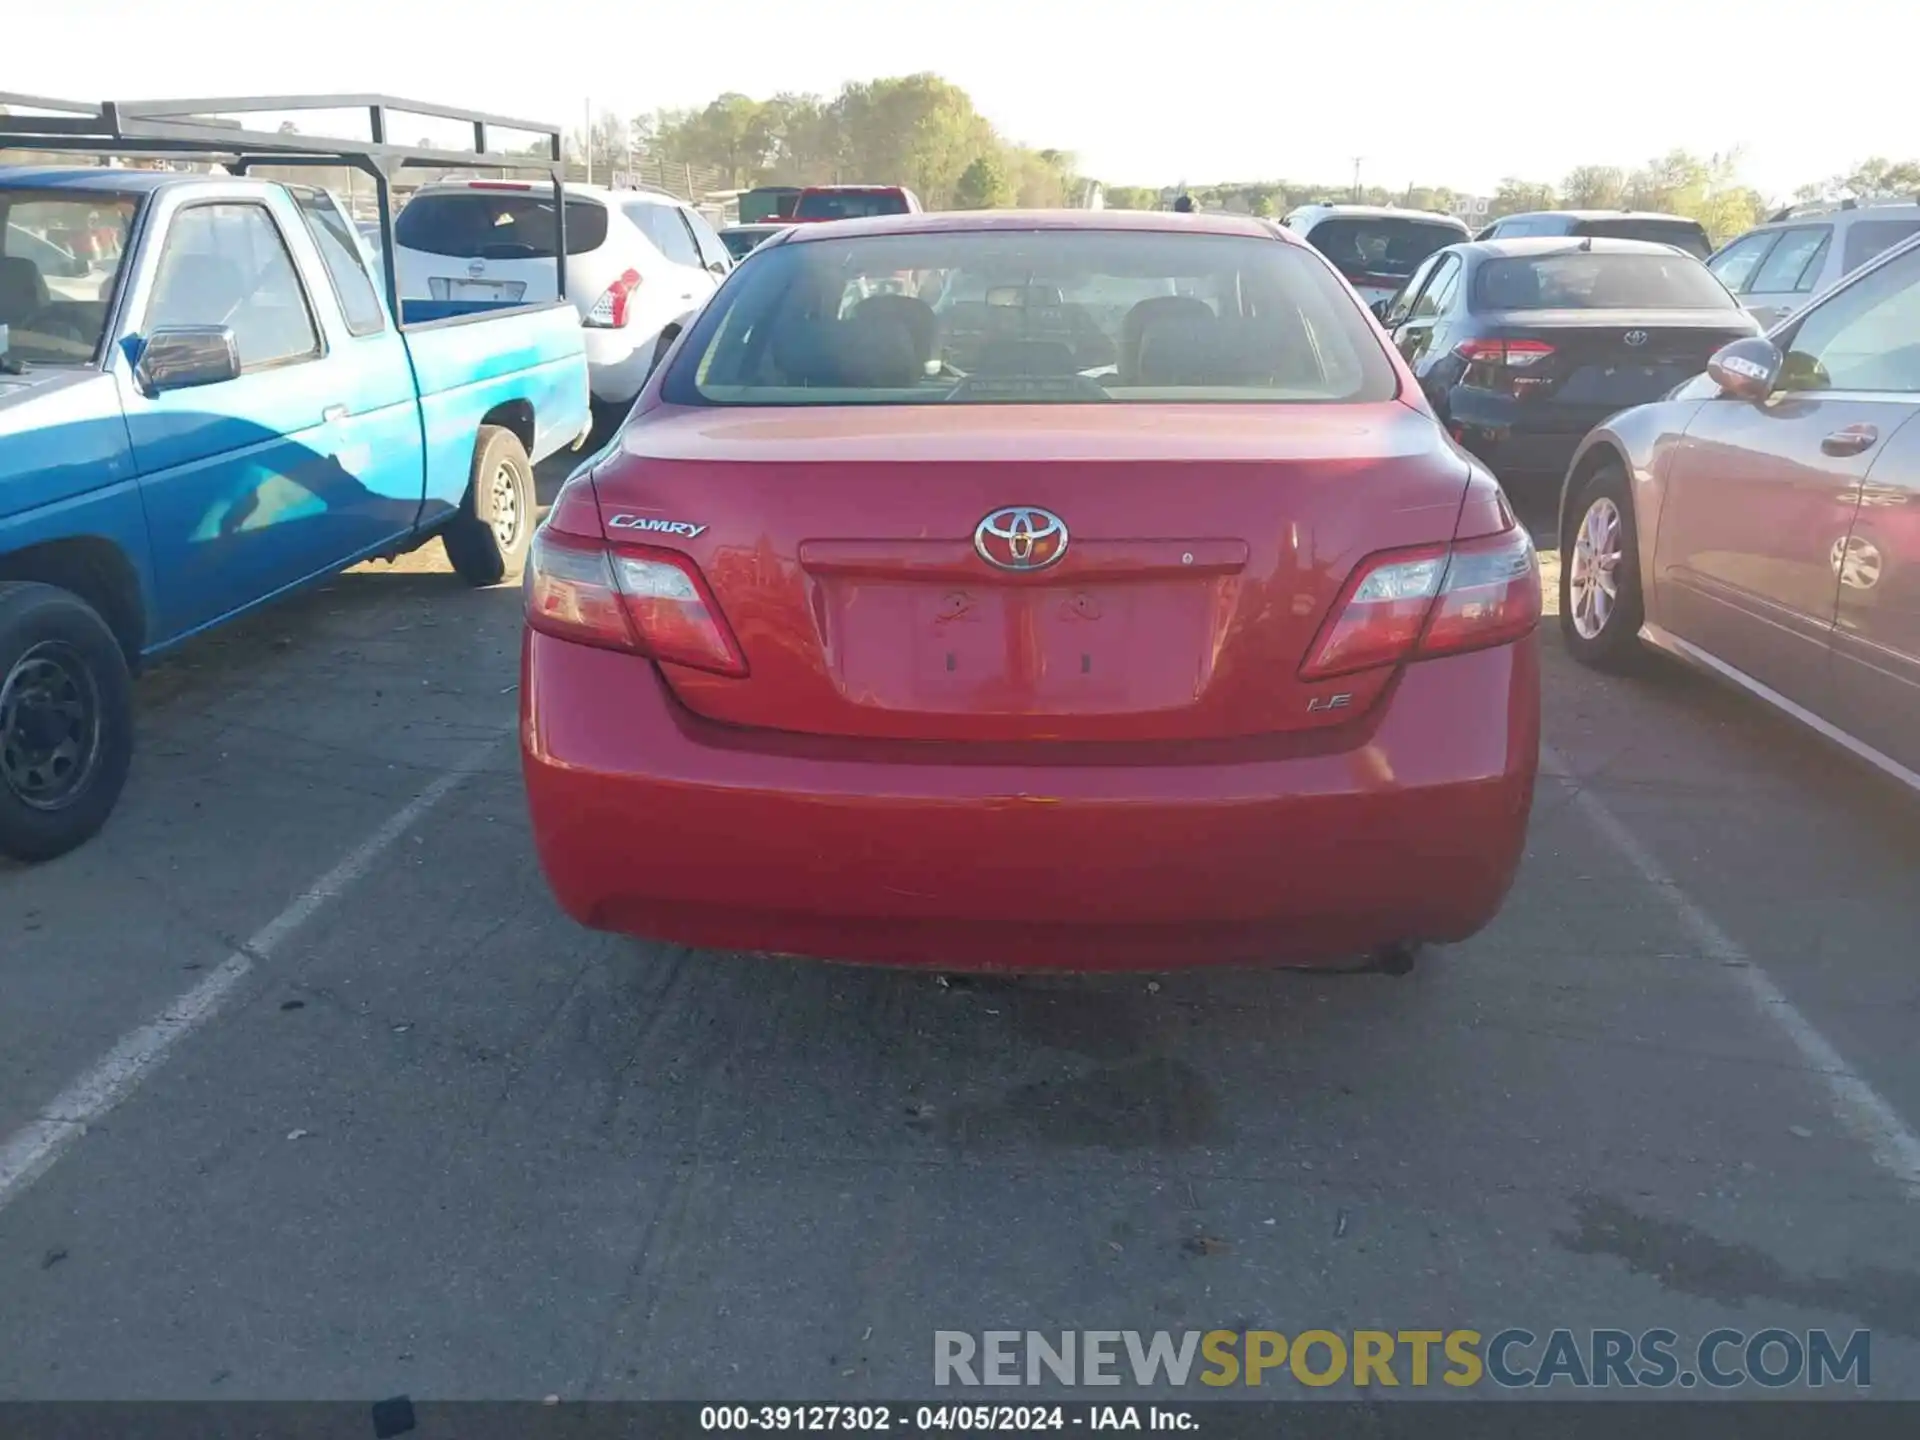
column 628, row 597
column 1435, row 600
column 609, row 312
column 1516, row 354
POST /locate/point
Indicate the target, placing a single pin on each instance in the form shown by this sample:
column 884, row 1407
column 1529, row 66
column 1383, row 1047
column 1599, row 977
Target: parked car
column 1688, row 235
column 1218, row 651
column 637, row 261
column 1776, row 268
column 852, row 202
column 1771, row 530
column 766, row 203
column 1375, row 247
column 229, row 414
column 742, row 240
column 1522, row 346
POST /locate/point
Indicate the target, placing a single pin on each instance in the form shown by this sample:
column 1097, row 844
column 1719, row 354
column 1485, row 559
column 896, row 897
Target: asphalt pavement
column 310, row 1092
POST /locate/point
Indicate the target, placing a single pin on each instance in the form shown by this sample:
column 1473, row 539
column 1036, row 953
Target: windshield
column 849, row 204
column 1582, row 280
column 1381, row 245
column 60, row 254
column 496, row 225
column 1685, row 234
column 1065, row 316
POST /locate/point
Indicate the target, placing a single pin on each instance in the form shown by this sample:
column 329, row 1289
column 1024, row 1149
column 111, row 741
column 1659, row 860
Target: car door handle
column 687, row 296
column 333, row 414
column 1850, row 441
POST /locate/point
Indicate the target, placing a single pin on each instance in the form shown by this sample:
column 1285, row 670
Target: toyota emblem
column 1636, row 337
column 477, row 267
column 1021, row 537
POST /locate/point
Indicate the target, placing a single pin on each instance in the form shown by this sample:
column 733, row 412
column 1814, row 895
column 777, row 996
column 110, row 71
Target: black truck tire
column 487, row 541
column 66, row 720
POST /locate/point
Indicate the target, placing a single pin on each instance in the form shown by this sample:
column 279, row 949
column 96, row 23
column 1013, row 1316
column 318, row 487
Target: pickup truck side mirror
column 184, row 356
column 1381, row 307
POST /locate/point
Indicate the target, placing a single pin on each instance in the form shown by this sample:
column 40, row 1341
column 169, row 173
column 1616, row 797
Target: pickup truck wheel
column 487, row 541
column 66, row 721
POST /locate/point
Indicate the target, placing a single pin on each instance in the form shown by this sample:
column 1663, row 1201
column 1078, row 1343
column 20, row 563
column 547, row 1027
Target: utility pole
column 1356, row 176
column 586, row 136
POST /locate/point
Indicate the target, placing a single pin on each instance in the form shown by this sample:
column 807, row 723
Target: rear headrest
column 1134, row 326
column 915, row 316
column 877, row 353
column 23, row 290
column 1270, row 350
column 1613, row 287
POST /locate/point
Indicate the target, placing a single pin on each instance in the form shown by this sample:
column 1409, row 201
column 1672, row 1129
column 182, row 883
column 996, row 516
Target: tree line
column 923, row 132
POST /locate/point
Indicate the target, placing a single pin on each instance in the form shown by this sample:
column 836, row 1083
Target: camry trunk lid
column 1599, row 361
column 1029, row 572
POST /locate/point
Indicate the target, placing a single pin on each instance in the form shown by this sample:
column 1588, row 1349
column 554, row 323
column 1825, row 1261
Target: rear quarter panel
column 525, row 368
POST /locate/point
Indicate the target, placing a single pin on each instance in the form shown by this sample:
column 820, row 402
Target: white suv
column 1776, row 268
column 637, row 260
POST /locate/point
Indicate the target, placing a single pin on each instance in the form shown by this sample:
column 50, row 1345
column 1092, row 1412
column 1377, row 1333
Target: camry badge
column 682, row 528
column 1636, row 337
column 1021, row 537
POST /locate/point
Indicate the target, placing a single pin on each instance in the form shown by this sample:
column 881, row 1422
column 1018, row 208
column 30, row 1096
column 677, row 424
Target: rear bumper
column 1515, row 438
column 650, row 820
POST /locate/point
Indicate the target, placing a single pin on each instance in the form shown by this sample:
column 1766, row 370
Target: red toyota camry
column 1114, row 601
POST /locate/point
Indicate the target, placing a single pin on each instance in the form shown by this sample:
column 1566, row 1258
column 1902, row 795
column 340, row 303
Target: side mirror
column 718, row 267
column 1381, row 307
column 184, row 356
column 1746, row 369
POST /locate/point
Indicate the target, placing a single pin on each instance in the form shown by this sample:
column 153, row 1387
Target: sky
column 1143, row 92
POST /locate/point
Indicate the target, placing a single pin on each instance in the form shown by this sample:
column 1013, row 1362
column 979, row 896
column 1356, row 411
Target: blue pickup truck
column 206, row 403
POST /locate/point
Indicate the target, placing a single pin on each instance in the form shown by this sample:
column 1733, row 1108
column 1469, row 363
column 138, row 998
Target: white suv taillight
column 610, row 311
column 637, row 598
column 1433, row 600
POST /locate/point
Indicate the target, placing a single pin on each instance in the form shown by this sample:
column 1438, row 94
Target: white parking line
column 30, row 1151
column 1861, row 1108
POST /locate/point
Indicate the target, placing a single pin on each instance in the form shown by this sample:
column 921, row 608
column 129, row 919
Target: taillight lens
column 1516, row 354
column 1436, row 600
column 628, row 597
column 609, row 312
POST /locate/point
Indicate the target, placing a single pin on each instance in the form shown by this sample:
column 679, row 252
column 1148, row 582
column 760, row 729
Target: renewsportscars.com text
column 1513, row 1358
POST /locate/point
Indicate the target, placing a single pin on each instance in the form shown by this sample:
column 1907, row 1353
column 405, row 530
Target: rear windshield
column 773, row 203
column 496, row 225
column 1582, row 281
column 1031, row 317
column 849, row 204
column 60, row 253
column 1683, row 233
column 1390, row 245
column 1869, row 238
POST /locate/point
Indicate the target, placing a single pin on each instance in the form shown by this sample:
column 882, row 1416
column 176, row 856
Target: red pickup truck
column 849, row 202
